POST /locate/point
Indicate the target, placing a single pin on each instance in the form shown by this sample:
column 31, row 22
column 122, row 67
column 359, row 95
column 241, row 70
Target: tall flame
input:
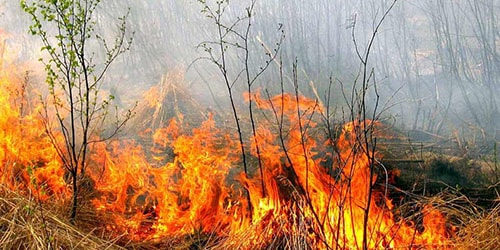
column 309, row 191
column 28, row 161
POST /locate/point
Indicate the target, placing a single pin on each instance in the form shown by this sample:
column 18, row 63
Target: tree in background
column 75, row 79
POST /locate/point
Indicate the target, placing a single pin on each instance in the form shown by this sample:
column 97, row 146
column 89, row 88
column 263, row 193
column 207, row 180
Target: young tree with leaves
column 75, row 79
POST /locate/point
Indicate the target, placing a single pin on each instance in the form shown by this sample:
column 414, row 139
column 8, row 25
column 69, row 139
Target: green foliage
column 65, row 28
column 74, row 78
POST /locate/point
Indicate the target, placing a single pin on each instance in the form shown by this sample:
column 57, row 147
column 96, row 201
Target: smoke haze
column 436, row 63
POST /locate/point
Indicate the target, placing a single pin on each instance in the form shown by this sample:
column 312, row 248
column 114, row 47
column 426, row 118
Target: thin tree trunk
column 75, row 196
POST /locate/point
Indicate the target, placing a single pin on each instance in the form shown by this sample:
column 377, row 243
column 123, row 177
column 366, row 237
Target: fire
column 311, row 191
column 29, row 162
column 193, row 184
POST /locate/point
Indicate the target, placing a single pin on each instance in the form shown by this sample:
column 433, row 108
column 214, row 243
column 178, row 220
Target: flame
column 29, row 162
column 311, row 191
column 193, row 184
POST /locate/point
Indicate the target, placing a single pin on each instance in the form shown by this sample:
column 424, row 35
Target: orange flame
column 28, row 161
column 196, row 185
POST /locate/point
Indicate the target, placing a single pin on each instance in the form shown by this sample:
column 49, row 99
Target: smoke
column 436, row 63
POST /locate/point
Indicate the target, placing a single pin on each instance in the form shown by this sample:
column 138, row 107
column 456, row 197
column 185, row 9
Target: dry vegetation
column 24, row 224
column 27, row 224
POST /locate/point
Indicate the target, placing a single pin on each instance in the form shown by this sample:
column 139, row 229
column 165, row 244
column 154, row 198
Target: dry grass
column 168, row 99
column 481, row 230
column 474, row 226
column 26, row 225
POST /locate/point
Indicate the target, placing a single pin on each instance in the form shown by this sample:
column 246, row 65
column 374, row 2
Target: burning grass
column 23, row 225
column 185, row 188
column 477, row 227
